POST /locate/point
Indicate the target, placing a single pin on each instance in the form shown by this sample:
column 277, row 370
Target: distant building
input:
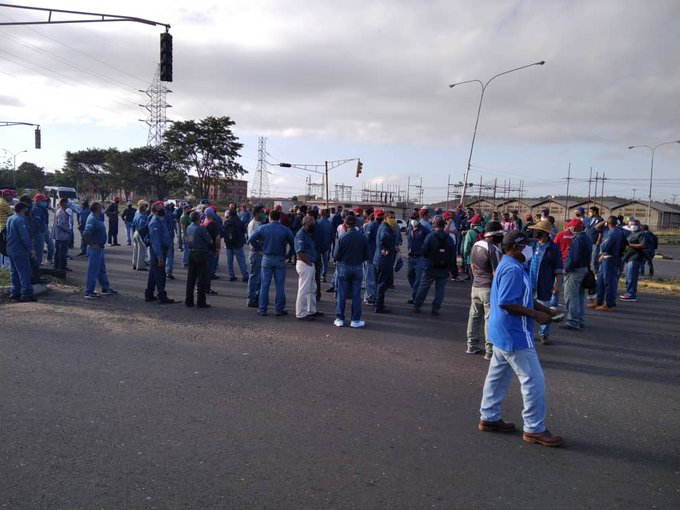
column 229, row 190
column 659, row 216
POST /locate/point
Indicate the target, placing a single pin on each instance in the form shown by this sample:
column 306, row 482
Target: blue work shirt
column 95, row 229
column 159, row 236
column 40, row 219
column 579, row 252
column 325, row 227
column 545, row 265
column 614, row 242
column 19, row 241
column 275, row 239
column 351, row 249
column 371, row 236
column 415, row 238
column 385, row 239
column 140, row 220
column 170, row 222
column 82, row 216
column 304, row 242
column 510, row 286
column 197, row 237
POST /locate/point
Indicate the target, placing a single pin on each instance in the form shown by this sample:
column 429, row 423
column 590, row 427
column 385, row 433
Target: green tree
column 158, row 175
column 29, row 175
column 88, row 169
column 208, row 148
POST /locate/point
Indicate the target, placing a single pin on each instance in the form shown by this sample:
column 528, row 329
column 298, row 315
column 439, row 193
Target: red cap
column 448, row 215
column 39, row 197
column 160, row 202
column 277, row 207
column 576, row 222
column 378, row 212
column 476, row 220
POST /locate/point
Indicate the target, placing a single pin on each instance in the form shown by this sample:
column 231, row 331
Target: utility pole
column 602, row 192
column 674, row 197
column 597, row 176
column 634, row 190
column 495, row 185
column 590, row 179
column 448, row 185
column 566, row 209
column 480, row 189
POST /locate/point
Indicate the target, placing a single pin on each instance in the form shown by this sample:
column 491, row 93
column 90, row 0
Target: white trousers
column 305, row 304
column 138, row 251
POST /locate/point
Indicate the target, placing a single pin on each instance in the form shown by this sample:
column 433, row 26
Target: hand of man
column 542, row 317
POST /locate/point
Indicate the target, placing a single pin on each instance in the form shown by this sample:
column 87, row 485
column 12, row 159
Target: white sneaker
column 339, row 323
column 357, row 324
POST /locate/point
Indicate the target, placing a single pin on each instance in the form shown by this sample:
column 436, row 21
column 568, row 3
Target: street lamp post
column 651, row 173
column 14, row 165
column 479, row 109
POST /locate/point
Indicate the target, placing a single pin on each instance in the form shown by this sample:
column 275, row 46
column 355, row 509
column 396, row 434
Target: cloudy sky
column 331, row 80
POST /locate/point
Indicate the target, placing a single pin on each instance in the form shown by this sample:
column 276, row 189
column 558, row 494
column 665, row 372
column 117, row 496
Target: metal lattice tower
column 260, row 181
column 156, row 107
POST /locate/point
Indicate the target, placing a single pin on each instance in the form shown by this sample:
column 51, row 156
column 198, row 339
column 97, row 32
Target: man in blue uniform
column 95, row 237
column 197, row 242
column 383, row 260
column 351, row 251
column 416, row 232
column 306, row 252
column 511, row 330
column 611, row 250
column 160, row 244
column 83, row 213
column 275, row 240
column 20, row 250
column 439, row 254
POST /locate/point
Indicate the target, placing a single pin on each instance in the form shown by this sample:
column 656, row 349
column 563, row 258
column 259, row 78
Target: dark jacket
column 579, row 252
column 431, row 245
column 234, row 232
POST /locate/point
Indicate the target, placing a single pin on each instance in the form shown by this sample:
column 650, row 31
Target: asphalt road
column 116, row 403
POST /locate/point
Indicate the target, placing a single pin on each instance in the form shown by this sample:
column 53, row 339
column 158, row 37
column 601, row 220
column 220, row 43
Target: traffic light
column 360, row 166
column 285, row 165
column 166, row 57
column 37, row 137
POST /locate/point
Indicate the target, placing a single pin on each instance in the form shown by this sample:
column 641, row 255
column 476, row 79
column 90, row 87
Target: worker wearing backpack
column 439, row 252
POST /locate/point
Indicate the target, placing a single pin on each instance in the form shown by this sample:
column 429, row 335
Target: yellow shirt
column 5, row 212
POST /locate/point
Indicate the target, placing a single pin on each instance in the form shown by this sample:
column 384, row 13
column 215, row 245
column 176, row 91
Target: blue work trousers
column 575, row 296
column 170, row 257
column 96, row 270
column 273, row 266
column 128, row 231
column 20, row 274
column 369, row 279
column 39, row 247
column 240, row 259
column 349, row 285
column 608, row 281
column 325, row 257
column 414, row 273
column 632, row 275
column 383, row 276
column 60, row 253
column 156, row 280
column 438, row 277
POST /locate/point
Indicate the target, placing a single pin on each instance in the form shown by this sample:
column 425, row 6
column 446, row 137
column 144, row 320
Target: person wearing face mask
column 484, row 259
column 416, row 232
column 545, row 270
column 633, row 259
column 255, row 259
column 611, row 249
column 94, row 234
column 371, row 233
column 20, row 251
column 383, row 260
column 511, row 331
column 159, row 236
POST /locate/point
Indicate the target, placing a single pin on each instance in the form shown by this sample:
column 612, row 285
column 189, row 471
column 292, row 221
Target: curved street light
column 14, row 172
column 651, row 173
column 479, row 109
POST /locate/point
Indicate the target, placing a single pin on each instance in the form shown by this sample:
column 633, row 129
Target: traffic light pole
column 328, row 165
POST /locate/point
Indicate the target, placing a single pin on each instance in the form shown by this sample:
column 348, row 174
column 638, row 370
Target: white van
column 56, row 193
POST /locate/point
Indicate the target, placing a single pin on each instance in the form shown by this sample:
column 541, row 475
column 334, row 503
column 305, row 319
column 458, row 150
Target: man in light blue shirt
column 275, row 239
column 511, row 331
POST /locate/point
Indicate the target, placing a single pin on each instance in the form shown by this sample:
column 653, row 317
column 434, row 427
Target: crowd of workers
column 518, row 268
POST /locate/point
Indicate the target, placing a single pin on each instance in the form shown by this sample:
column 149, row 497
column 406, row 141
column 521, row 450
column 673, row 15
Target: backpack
column 3, row 241
column 442, row 256
column 229, row 234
